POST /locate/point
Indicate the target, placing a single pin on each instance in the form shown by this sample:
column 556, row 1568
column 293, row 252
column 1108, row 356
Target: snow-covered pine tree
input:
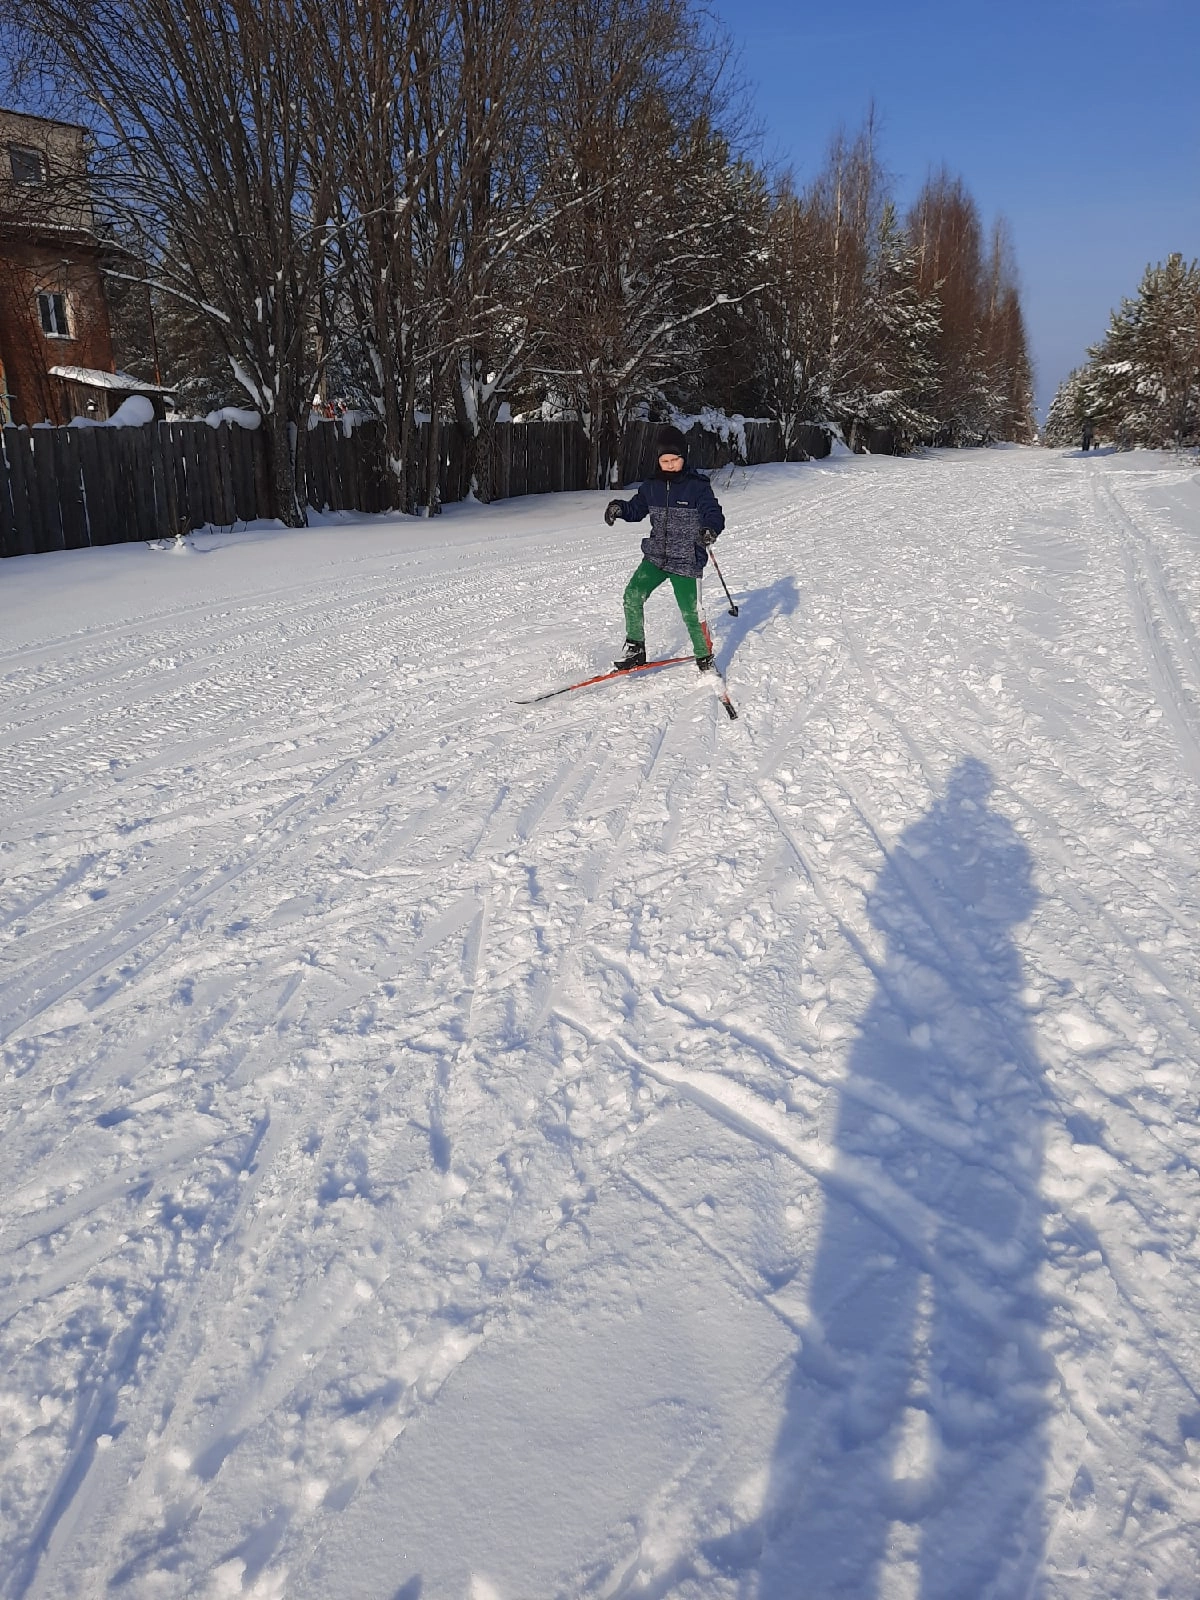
column 816, row 318
column 1145, row 372
column 785, row 317
column 1068, row 411
column 898, row 382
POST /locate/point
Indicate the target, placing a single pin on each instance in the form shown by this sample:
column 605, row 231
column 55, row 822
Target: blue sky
column 1078, row 120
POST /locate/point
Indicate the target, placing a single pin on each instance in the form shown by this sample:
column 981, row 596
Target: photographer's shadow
column 913, row 1428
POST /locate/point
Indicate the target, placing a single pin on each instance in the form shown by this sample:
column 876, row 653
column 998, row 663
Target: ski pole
column 733, row 610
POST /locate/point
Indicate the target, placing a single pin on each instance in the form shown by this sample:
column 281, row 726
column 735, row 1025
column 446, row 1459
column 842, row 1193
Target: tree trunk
column 597, row 452
column 407, row 474
column 482, row 455
column 610, row 441
column 281, row 465
column 433, row 490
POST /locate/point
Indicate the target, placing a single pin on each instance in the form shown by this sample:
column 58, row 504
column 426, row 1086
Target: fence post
column 20, row 467
column 225, row 478
column 8, row 521
column 70, row 488
column 44, row 490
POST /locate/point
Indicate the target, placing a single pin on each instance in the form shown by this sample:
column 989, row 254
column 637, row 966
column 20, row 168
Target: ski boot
column 704, row 663
column 634, row 656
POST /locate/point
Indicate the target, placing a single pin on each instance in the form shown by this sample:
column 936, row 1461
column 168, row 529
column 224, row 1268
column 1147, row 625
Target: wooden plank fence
column 709, row 450
column 812, row 443
column 69, row 488
column 706, row 450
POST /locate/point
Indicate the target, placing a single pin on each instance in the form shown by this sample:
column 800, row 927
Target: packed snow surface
column 454, row 1149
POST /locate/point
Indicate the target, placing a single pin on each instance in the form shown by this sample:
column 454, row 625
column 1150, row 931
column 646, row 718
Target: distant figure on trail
column 1088, row 434
column 685, row 519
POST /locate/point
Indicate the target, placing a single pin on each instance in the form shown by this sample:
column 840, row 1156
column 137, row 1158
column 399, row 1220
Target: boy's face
column 670, row 463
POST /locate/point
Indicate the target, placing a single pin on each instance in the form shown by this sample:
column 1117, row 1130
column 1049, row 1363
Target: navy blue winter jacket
column 678, row 508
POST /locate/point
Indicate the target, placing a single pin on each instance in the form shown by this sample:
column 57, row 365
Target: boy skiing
column 685, row 519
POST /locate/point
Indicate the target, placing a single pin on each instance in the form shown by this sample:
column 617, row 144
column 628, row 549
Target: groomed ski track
column 456, row 1149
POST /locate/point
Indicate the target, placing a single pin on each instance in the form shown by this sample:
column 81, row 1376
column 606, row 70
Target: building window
column 28, row 166
column 52, row 308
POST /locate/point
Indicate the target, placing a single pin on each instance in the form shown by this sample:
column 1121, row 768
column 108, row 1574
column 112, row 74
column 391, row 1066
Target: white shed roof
column 95, row 379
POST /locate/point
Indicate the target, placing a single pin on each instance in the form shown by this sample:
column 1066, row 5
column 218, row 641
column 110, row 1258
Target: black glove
column 614, row 510
column 708, row 538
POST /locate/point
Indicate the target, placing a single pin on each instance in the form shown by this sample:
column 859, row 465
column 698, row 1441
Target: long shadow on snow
column 913, row 1428
column 755, row 610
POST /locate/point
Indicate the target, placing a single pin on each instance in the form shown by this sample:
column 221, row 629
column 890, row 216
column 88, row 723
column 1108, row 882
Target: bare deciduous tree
column 217, row 152
column 846, row 332
column 381, row 57
column 643, row 199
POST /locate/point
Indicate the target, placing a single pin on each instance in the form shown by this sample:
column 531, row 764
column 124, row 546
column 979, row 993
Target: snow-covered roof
column 95, row 379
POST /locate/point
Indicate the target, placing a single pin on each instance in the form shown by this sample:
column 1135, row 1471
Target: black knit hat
column 670, row 442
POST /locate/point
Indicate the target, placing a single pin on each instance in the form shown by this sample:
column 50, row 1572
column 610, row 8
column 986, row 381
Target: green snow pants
column 642, row 585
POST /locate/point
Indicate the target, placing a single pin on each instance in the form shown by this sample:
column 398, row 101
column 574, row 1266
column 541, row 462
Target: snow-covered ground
column 599, row 1149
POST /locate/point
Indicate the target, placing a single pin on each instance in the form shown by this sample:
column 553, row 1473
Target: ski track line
column 65, row 1501
column 1164, row 635
column 1117, row 1276
column 179, row 758
column 596, row 878
column 1047, row 1092
column 169, row 617
column 322, row 654
column 1168, row 603
column 367, row 979
column 959, row 950
column 1116, row 1099
column 1030, row 775
column 183, row 1335
column 409, row 748
column 917, row 1229
column 351, row 1118
column 23, row 1229
column 795, row 718
column 1140, row 1310
column 1056, row 839
column 492, row 1318
column 127, row 640
column 97, row 741
column 1034, row 779
column 924, row 1122
column 86, row 961
column 448, row 1064
column 734, row 1271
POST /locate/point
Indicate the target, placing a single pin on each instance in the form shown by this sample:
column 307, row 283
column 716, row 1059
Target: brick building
column 53, row 311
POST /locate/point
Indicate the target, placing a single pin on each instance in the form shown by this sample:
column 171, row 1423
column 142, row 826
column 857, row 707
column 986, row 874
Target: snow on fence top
column 135, row 412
